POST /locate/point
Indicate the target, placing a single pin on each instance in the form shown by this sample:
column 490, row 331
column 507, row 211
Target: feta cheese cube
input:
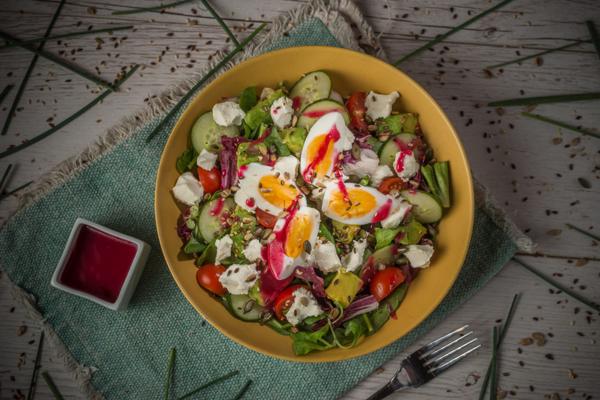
column 399, row 211
column 419, row 255
column 239, row 278
column 380, row 105
column 187, row 189
column 282, row 112
column 365, row 166
column 353, row 260
column 406, row 165
column 223, row 246
column 326, row 257
column 382, row 171
column 253, row 250
column 305, row 305
column 228, row 113
column 206, row 160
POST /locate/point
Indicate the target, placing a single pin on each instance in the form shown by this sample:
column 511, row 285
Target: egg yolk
column 358, row 203
column 299, row 232
column 318, row 157
column 277, row 191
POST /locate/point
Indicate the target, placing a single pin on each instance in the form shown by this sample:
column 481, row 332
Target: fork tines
column 442, row 353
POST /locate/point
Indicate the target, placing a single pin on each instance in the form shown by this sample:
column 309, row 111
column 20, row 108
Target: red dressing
column 317, row 114
column 383, row 212
column 98, row 263
column 218, row 207
column 332, row 136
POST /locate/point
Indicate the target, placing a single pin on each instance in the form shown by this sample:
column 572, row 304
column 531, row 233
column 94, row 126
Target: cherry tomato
column 284, row 301
column 385, row 281
column 207, row 276
column 210, row 180
column 391, row 183
column 357, row 109
column 265, row 219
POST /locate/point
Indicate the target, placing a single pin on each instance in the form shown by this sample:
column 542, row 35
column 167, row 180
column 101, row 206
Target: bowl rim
column 469, row 198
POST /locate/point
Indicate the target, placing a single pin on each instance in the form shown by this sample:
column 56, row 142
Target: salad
column 309, row 212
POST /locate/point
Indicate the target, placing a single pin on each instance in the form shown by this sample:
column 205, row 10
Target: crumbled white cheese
column 266, row 92
column 253, row 250
column 399, row 211
column 335, row 96
column 419, row 255
column 382, row 171
column 287, row 166
column 228, row 113
column 406, row 165
column 282, row 112
column 187, row 189
column 326, row 257
column 354, row 259
column 223, row 246
column 239, row 278
column 365, row 166
column 206, row 160
column 380, row 105
column 305, row 305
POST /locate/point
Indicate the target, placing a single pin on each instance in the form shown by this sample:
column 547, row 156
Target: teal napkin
column 129, row 348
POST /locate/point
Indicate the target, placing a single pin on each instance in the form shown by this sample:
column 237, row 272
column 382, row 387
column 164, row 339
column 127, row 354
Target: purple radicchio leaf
column 308, row 274
column 228, row 160
column 360, row 305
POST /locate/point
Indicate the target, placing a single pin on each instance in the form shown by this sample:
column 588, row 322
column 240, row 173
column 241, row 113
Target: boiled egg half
column 354, row 204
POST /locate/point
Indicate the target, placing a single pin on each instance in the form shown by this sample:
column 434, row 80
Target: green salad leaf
column 208, row 254
column 261, row 112
column 344, row 233
column 274, row 139
column 385, row 236
column 398, row 123
column 307, row 342
column 245, row 223
column 294, row 139
column 248, row 98
column 381, row 315
column 193, row 246
column 186, row 161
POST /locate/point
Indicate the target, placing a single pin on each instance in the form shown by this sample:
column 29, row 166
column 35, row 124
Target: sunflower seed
column 307, row 247
column 248, row 306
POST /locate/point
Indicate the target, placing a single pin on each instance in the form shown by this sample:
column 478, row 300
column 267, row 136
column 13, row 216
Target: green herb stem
column 503, row 330
column 494, row 372
column 557, row 285
column 32, row 63
column 6, row 177
column 69, row 119
column 201, row 82
column 69, row 34
column 525, row 58
column 136, row 10
column 55, row 392
column 170, row 367
column 220, row 21
column 594, row 34
column 564, row 98
column 5, row 92
column 244, row 389
column 57, row 60
column 209, row 383
column 36, row 368
column 587, row 233
column 561, row 124
column 441, row 37
column 15, row 190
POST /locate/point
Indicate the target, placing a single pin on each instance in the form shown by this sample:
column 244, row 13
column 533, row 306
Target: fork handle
column 385, row 391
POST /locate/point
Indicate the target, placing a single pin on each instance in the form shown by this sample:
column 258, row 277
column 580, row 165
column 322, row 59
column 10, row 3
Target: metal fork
column 430, row 360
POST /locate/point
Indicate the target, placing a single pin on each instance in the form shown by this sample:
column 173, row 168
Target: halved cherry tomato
column 357, row 109
column 265, row 219
column 385, row 281
column 210, row 180
column 207, row 276
column 284, row 301
column 391, row 183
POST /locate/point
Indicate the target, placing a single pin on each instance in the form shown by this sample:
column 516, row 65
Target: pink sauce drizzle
column 400, row 163
column 262, row 137
column 250, row 202
column 317, row 114
column 383, row 212
column 275, row 251
column 296, row 102
column 241, row 171
column 218, row 207
column 332, row 136
column 342, row 185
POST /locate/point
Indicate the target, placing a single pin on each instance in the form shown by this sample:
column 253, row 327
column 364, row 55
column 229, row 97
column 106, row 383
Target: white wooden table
column 532, row 168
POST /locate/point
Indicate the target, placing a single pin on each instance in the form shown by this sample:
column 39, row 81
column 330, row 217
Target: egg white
column 332, row 188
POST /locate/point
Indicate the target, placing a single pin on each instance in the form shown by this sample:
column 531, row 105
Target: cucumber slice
column 206, row 134
column 426, row 208
column 311, row 87
column 316, row 110
column 238, row 304
column 387, row 154
column 209, row 222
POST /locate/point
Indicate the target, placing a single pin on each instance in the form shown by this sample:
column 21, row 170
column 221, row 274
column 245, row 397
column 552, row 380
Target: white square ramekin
column 131, row 280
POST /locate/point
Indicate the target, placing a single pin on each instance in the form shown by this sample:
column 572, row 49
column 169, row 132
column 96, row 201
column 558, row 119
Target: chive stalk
column 57, row 60
column 170, row 367
column 136, row 10
column 203, row 80
column 15, row 190
column 5, row 92
column 529, row 57
column 443, row 36
column 494, row 373
column 32, row 63
column 36, row 368
column 561, row 124
column 583, row 231
column 209, row 383
column 68, row 120
column 221, row 22
column 244, row 389
column 563, row 98
column 68, row 35
column 52, row 386
column 6, row 177
column 594, row 34
column 559, row 286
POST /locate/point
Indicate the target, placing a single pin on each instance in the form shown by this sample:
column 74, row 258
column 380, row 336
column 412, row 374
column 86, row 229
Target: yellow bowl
column 349, row 71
